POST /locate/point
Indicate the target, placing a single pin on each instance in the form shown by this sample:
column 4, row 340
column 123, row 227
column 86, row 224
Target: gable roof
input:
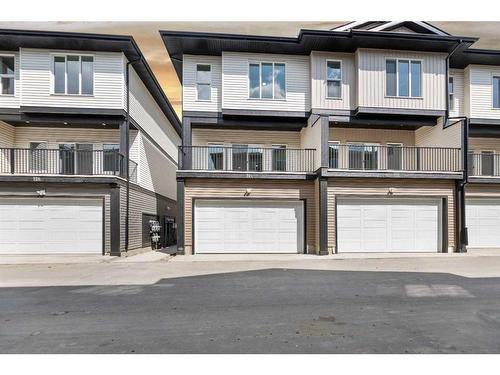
column 12, row 40
column 419, row 27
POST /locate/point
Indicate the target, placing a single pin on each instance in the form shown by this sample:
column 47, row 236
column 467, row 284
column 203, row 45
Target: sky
column 149, row 41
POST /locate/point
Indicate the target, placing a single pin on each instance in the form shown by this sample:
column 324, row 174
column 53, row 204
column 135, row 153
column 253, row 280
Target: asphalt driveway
column 271, row 310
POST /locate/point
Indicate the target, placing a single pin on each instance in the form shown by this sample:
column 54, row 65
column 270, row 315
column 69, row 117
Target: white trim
column 203, row 83
column 334, row 80
column 5, row 75
column 250, row 62
column 410, row 60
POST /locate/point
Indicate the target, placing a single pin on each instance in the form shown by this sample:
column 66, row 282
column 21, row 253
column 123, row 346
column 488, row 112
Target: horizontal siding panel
column 7, row 135
column 201, row 137
column 481, row 91
column 235, row 85
column 189, row 93
column 319, row 86
column 379, row 188
column 36, row 82
column 260, row 189
column 371, row 80
column 13, row 101
column 380, row 136
column 459, row 95
column 484, row 144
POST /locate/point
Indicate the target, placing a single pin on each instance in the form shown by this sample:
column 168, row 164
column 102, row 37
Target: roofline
column 168, row 111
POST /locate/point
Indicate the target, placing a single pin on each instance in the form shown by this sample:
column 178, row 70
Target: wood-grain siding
column 482, row 190
column 211, row 188
column 379, row 136
column 371, row 89
column 265, row 138
column 400, row 188
column 7, row 135
column 484, row 144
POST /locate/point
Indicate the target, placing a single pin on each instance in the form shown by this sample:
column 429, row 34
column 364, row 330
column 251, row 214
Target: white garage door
column 483, row 222
column 388, row 225
column 49, row 225
column 249, row 226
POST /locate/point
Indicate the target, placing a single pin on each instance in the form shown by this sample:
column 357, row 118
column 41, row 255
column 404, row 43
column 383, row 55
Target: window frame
column 260, row 79
column 410, row 60
column 334, row 80
column 53, row 74
column 493, row 77
column 451, row 93
column 4, row 75
column 209, row 84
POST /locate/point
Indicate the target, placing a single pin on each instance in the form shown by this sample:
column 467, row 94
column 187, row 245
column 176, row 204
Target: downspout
column 463, row 235
column 127, row 152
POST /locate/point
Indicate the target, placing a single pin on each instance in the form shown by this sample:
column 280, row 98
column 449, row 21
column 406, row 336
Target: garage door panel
column 251, row 226
column 483, row 222
column 388, row 225
column 51, row 225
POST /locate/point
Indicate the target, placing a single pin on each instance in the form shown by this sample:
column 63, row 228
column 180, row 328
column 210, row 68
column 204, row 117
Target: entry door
column 483, row 222
column 248, row 226
column 388, row 225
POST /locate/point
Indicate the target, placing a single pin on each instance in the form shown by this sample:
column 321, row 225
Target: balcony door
column 215, row 156
column 84, row 159
column 67, row 158
column 363, row 156
column 279, row 158
column 487, row 163
column 394, row 156
column 247, row 158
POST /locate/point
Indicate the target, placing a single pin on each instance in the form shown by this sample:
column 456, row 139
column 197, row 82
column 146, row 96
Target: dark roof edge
column 162, row 102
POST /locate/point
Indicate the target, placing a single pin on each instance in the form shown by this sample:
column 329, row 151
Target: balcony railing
column 486, row 163
column 247, row 159
column 363, row 157
column 64, row 162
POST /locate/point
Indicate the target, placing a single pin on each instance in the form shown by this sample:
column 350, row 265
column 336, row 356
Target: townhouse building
column 371, row 137
column 88, row 145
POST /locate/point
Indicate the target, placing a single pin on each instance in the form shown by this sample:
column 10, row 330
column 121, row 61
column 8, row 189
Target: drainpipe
column 447, row 83
column 127, row 152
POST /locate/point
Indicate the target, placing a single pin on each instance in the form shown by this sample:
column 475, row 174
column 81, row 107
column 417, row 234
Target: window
column 267, row 81
column 203, row 82
column 279, row 157
column 7, row 77
column 110, row 157
column 334, row 79
column 74, row 75
column 247, row 158
column 333, row 154
column 38, row 156
column 496, row 92
column 403, row 78
column 451, row 93
column 215, row 156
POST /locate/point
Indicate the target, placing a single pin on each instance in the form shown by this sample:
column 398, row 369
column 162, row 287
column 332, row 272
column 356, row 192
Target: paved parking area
column 411, row 305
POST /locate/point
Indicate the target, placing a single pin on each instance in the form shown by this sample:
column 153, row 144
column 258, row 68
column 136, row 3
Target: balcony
column 484, row 164
column 394, row 158
column 64, row 162
column 246, row 159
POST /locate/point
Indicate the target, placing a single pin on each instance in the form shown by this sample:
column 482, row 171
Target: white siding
column 319, row 98
column 459, row 95
column 481, row 91
column 146, row 112
column 378, row 136
column 371, row 80
column 36, row 81
column 310, row 137
column 436, row 136
column 12, row 101
column 156, row 171
column 235, row 82
column 189, row 101
column 264, row 138
column 6, row 135
column 467, row 92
